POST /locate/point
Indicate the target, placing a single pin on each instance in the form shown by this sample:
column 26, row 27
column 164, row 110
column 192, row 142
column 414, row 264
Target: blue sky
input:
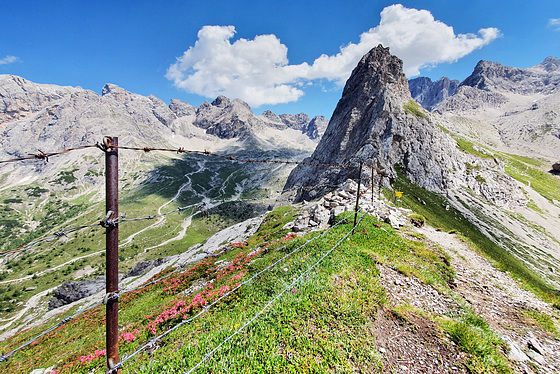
column 286, row 56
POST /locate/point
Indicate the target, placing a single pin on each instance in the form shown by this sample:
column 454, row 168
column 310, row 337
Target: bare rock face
column 491, row 85
column 429, row 93
column 492, row 76
column 20, row 98
column 377, row 122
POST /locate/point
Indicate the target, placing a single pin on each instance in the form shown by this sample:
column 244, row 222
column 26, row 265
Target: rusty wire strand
column 104, row 147
column 45, row 155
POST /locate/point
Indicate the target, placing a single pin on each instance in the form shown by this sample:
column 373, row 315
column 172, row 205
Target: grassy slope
column 440, row 214
column 321, row 324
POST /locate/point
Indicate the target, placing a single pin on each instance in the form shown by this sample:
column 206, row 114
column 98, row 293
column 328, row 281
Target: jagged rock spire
column 376, row 121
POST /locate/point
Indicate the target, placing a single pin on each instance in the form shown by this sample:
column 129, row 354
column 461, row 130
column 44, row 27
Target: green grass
column 415, row 109
column 529, row 172
column 441, row 215
column 469, row 147
column 321, row 324
column 473, row 335
column 542, row 320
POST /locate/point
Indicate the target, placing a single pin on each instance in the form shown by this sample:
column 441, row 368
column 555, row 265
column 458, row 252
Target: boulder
column 71, row 291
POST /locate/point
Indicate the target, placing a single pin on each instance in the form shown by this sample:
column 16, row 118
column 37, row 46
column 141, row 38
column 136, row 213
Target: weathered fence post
column 357, row 197
column 112, row 249
column 372, row 182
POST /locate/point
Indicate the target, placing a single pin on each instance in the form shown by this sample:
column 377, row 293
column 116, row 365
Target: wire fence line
column 154, row 340
column 107, row 297
column 109, row 220
column 261, row 311
column 45, row 155
column 65, row 320
column 181, row 150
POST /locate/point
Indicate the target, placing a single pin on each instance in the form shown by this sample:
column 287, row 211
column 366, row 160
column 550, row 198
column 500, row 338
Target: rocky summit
column 377, row 122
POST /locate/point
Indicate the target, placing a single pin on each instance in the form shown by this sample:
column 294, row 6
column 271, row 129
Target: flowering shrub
column 92, row 356
column 129, row 337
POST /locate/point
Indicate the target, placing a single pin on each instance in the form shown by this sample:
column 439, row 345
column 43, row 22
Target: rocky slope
column 510, row 109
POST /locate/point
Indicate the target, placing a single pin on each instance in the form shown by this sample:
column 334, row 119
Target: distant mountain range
column 507, row 108
column 491, row 77
column 52, row 117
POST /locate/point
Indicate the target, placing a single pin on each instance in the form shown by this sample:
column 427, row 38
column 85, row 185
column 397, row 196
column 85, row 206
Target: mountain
column 51, row 118
column 377, row 121
column 412, row 300
column 429, row 93
column 491, row 77
column 508, row 108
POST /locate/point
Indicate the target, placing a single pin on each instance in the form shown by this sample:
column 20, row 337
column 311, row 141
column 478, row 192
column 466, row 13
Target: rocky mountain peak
column 377, row 70
column 549, row 64
column 376, row 121
column 221, row 101
column 115, row 92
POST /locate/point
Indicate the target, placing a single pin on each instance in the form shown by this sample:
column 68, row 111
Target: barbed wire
column 104, row 147
column 261, row 311
column 152, row 341
column 65, row 320
column 45, row 155
column 208, row 153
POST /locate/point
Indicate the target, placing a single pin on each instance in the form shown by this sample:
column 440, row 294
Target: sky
column 285, row 56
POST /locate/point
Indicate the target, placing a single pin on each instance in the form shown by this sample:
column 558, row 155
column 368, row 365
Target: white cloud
column 8, row 60
column 554, row 23
column 258, row 70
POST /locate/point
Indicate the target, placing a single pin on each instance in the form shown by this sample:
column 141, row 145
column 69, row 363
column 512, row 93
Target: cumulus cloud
column 554, row 23
column 258, row 71
column 412, row 35
column 8, row 60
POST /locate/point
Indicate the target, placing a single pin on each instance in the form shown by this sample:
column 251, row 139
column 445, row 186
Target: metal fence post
column 112, row 249
column 357, row 197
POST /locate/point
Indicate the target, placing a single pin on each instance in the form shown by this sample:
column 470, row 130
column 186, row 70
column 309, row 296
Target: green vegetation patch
column 440, row 214
column 415, row 109
column 527, row 171
column 469, row 147
column 473, row 335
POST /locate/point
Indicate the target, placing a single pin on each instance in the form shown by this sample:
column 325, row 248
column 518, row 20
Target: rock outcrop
column 71, row 291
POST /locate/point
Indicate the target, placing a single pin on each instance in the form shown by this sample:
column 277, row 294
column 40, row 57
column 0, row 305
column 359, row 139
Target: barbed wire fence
column 111, row 220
